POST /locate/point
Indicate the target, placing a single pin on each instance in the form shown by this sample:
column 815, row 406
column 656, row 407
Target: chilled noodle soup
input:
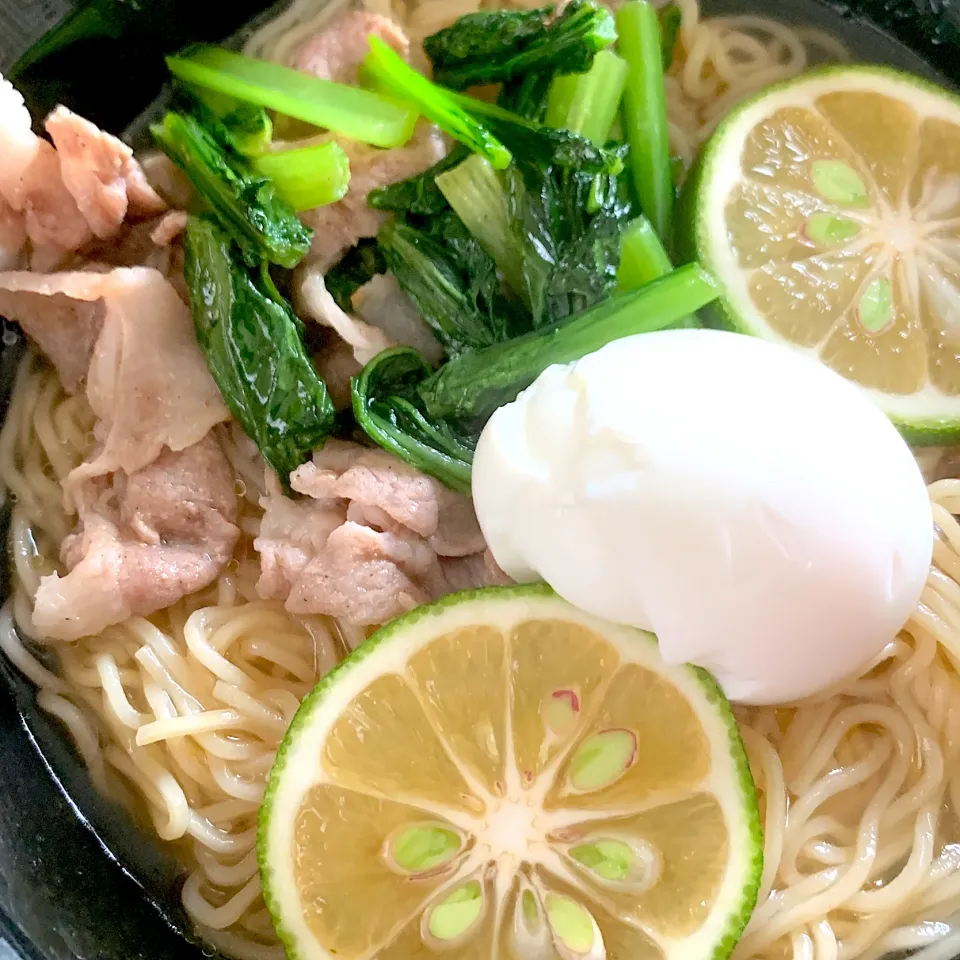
column 244, row 437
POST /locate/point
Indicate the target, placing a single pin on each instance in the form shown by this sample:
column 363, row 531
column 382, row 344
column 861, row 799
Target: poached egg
column 742, row 501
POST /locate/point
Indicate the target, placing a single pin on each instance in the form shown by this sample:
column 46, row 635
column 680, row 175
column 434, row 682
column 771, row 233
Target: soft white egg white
column 745, row 503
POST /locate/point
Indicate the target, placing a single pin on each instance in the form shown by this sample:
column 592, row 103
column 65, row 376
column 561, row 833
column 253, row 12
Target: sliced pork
column 170, row 226
column 339, row 226
column 19, row 145
column 337, row 52
column 62, row 313
column 143, row 542
column 129, row 333
column 101, row 174
column 315, row 302
column 368, row 538
column 375, row 478
column 51, row 215
column 337, row 365
column 66, row 196
column 168, row 180
column 381, row 303
column 13, row 236
column 364, row 576
column 31, row 184
column 292, row 533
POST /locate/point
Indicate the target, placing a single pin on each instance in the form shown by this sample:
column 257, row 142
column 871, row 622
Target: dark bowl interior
column 77, row 878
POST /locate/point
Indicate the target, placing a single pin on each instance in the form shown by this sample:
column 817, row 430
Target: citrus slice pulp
column 828, row 208
column 499, row 776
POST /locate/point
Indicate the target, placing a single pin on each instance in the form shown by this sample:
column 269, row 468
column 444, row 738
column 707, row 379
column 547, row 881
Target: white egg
column 751, row 507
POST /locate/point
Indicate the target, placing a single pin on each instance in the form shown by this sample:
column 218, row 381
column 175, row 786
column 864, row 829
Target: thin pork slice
column 31, row 182
column 292, row 533
column 315, row 302
column 363, row 576
column 369, row 538
column 51, row 215
column 337, row 52
column 84, row 187
column 131, row 335
column 61, row 312
column 13, row 236
column 381, row 303
column 19, row 145
column 143, row 542
column 167, row 179
column 170, row 226
column 148, row 383
column 101, row 174
column 374, row 478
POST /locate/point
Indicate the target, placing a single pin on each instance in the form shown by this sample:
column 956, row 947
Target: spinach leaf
column 497, row 46
column 469, row 388
column 386, row 406
column 567, row 227
column 251, row 339
column 527, row 96
column 453, row 282
column 263, row 225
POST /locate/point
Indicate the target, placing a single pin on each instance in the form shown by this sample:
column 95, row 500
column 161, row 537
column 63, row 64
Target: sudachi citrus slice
column 828, row 208
column 501, row 776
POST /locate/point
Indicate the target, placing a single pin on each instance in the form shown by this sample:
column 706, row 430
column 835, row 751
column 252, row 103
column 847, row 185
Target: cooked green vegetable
column 671, row 16
column 536, row 145
column 550, row 222
column 526, row 96
column 586, row 103
column 475, row 192
column 243, row 127
column 307, row 177
column 497, row 46
column 358, row 266
column 386, row 406
column 645, row 112
column 251, row 340
column 469, row 388
column 642, row 256
column 392, row 73
column 263, row 225
column 354, row 113
column 566, row 225
column 418, row 194
column 451, row 279
column 546, row 223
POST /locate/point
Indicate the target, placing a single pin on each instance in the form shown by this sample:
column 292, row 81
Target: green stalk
column 586, row 103
column 476, row 194
column 645, row 112
column 472, row 386
column 307, row 177
column 349, row 111
column 388, row 70
column 642, row 256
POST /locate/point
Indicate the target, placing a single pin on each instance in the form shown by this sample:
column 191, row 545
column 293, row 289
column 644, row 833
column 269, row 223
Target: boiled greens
column 252, row 342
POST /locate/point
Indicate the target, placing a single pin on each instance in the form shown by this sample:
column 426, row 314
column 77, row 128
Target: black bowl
column 77, row 878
